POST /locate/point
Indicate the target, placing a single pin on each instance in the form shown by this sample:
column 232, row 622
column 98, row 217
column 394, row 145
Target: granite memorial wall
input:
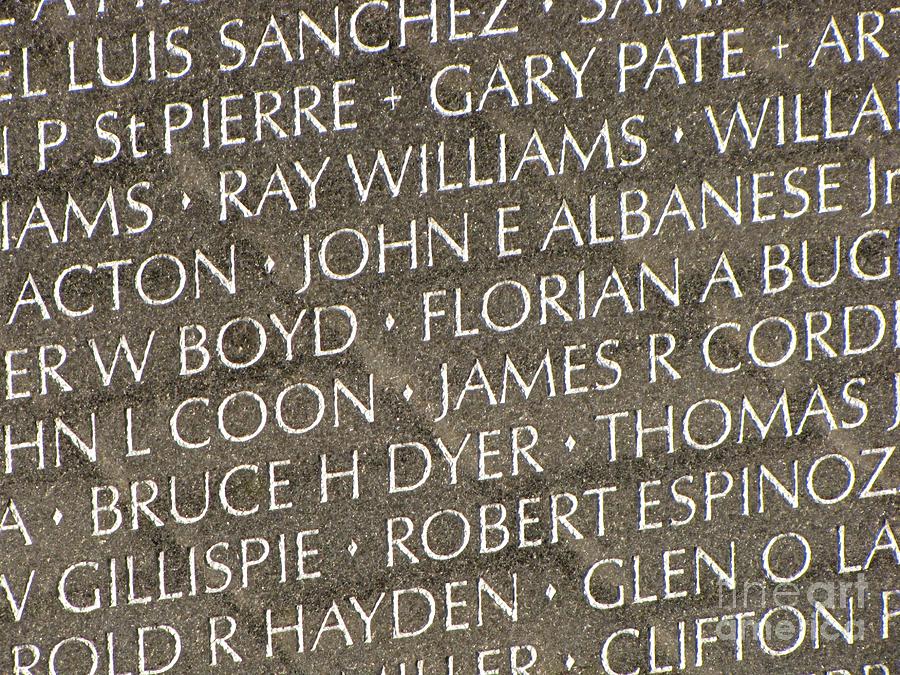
column 449, row 337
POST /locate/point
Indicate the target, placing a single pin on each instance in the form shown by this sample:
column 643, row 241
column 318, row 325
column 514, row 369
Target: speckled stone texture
column 561, row 165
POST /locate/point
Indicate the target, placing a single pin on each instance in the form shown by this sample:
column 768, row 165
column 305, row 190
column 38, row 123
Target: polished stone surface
column 635, row 381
